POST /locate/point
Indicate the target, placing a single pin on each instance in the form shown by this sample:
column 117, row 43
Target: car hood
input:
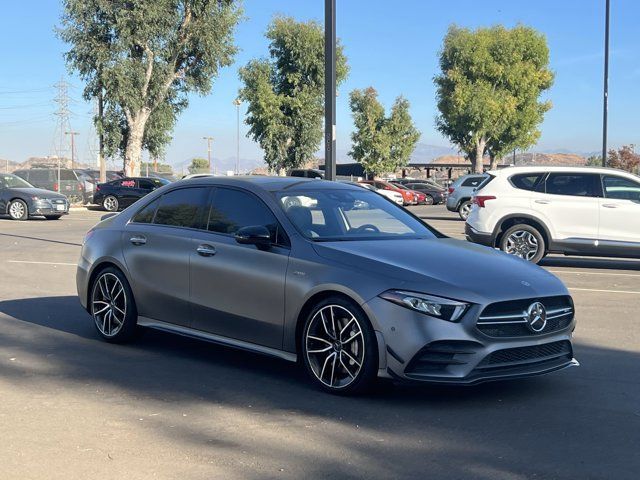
column 446, row 267
column 40, row 192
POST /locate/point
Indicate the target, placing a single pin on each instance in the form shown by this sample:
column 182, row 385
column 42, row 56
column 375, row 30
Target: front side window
column 340, row 215
column 232, row 210
column 621, row 188
column 574, row 184
column 181, row 208
column 147, row 214
column 13, row 181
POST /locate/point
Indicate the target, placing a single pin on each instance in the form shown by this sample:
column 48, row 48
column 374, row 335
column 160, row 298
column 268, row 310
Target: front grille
column 437, row 356
column 59, row 201
column 531, row 355
column 509, row 319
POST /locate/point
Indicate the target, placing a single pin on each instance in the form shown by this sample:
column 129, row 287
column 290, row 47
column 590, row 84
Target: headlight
column 443, row 308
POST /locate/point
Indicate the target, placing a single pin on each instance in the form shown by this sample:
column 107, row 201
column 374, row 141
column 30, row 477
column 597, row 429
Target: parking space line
column 598, row 273
column 629, row 292
column 43, row 263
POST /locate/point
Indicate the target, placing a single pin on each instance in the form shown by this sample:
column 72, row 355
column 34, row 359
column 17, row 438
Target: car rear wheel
column 339, row 347
column 110, row 203
column 18, row 210
column 52, row 217
column 464, row 210
column 524, row 241
column 112, row 306
column 428, row 200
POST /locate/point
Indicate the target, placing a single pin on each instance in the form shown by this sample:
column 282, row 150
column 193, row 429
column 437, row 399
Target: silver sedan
column 343, row 280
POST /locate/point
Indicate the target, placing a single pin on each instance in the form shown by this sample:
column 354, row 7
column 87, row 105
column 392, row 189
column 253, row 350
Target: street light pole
column 605, row 106
column 330, row 89
column 73, row 145
column 237, row 103
column 209, row 140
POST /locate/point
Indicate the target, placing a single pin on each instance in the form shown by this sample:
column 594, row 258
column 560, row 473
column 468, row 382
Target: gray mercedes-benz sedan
column 329, row 274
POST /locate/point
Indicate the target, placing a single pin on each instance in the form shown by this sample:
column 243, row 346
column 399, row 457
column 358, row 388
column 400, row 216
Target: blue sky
column 390, row 45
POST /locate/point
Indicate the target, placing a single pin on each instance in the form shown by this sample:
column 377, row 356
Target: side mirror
column 257, row 235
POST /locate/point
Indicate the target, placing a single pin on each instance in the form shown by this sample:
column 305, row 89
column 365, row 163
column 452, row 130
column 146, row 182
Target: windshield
column 8, row 180
column 339, row 215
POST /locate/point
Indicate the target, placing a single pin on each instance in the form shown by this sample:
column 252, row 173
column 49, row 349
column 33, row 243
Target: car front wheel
column 464, row 210
column 339, row 347
column 112, row 306
column 18, row 210
column 524, row 241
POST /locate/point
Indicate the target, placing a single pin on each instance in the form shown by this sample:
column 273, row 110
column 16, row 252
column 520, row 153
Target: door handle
column 138, row 240
column 206, row 250
column 610, row 205
column 543, row 202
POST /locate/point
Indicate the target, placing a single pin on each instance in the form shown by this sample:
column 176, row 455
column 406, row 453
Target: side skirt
column 220, row 340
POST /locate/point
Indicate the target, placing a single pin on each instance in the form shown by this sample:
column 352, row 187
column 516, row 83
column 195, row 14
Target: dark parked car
column 435, row 196
column 121, row 193
column 63, row 180
column 353, row 286
column 306, row 173
column 21, row 200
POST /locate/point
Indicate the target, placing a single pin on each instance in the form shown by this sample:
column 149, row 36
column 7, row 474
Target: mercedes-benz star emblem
column 536, row 317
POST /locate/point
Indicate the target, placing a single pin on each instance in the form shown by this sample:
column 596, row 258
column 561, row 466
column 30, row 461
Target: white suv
column 532, row 211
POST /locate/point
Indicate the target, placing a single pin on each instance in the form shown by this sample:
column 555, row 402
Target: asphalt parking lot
column 74, row 407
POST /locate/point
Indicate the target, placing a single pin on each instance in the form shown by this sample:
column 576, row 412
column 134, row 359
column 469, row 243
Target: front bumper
column 417, row 348
column 46, row 207
column 482, row 238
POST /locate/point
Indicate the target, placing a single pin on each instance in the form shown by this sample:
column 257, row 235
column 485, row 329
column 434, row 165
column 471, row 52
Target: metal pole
column 237, row 103
column 103, row 166
column 73, row 157
column 330, row 89
column 605, row 106
column 209, row 139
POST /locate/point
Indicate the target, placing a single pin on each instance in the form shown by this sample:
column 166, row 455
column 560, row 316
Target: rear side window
column 40, row 176
column 472, row 181
column 127, row 183
column 574, row 184
column 180, row 208
column 232, row 210
column 526, row 181
column 147, row 213
column 68, row 175
column 621, row 188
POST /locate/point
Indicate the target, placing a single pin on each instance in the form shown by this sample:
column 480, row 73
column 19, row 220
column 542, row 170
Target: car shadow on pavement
column 563, row 421
column 589, row 262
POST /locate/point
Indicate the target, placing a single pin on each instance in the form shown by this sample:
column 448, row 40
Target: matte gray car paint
column 256, row 297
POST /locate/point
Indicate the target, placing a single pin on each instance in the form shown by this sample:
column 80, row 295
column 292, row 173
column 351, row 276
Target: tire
column 428, row 200
column 349, row 365
column 110, row 203
column 113, row 307
column 52, row 217
column 18, row 210
column 524, row 241
column 464, row 210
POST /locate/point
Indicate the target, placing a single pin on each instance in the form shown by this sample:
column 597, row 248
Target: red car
column 408, row 197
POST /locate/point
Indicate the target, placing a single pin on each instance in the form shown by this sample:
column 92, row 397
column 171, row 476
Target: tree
column 624, row 158
column 594, row 161
column 144, row 57
column 285, row 93
column 489, row 87
column 199, row 165
column 379, row 143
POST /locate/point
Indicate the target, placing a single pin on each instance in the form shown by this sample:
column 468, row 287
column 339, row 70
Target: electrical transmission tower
column 63, row 120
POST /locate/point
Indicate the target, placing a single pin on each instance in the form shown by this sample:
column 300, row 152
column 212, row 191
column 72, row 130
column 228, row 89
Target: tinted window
column 147, row 213
column 126, row 183
column 148, row 184
column 234, row 209
column 526, row 181
column 621, row 188
column 180, row 208
column 67, row 175
column 39, row 176
column 575, row 184
column 472, row 181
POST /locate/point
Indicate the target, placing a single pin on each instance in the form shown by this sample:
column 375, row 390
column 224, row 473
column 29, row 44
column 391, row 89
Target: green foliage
column 285, row 93
column 381, row 144
column 145, row 57
column 594, row 161
column 489, row 87
column 162, row 167
column 199, row 165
